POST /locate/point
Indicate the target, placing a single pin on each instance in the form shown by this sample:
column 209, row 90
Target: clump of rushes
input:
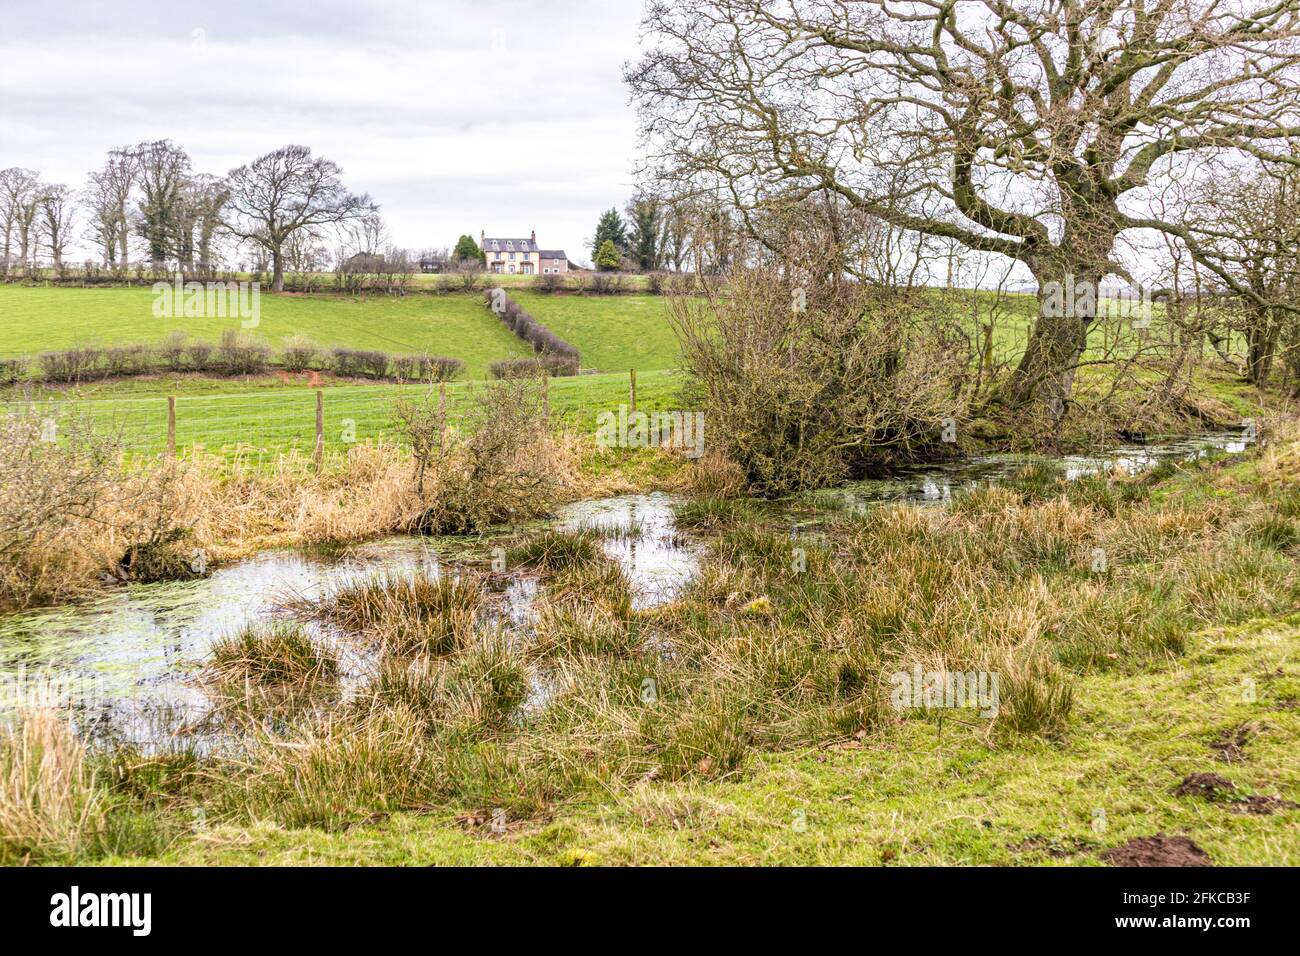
column 557, row 550
column 281, row 655
column 1274, row 532
column 573, row 630
column 602, row 585
column 424, row 614
column 710, row 514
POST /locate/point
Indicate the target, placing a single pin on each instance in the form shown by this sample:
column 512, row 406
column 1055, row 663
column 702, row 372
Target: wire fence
column 265, row 426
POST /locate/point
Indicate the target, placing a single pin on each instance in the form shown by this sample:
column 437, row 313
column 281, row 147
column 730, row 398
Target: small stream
column 136, row 649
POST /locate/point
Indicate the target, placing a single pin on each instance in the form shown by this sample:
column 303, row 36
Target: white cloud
column 505, row 115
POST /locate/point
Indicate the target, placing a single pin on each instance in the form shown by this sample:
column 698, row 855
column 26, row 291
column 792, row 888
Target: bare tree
column 19, row 189
column 1033, row 129
column 58, row 211
column 1247, row 226
column 20, row 194
column 107, row 196
column 287, row 191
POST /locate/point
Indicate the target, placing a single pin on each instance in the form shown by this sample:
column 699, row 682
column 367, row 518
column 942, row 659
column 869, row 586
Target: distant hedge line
column 235, row 354
column 554, row 355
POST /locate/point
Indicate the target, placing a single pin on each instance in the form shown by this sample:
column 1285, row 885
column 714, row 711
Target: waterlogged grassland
column 919, row 796
column 772, row 735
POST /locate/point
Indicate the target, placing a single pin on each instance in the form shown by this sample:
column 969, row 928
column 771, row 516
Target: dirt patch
column 1057, row 849
column 1261, row 806
column 1231, row 745
column 1158, row 850
column 1211, row 786
column 1288, row 703
column 1208, row 785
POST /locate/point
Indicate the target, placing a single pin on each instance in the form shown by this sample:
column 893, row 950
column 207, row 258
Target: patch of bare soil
column 1158, row 850
column 1211, row 786
column 1208, row 785
column 1231, row 745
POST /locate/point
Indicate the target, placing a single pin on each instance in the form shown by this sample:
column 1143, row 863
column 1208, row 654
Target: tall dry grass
column 51, row 810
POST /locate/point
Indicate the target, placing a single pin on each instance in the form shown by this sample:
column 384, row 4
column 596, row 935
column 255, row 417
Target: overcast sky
column 456, row 116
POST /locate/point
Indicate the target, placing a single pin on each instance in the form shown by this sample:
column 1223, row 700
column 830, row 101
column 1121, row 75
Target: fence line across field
column 308, row 421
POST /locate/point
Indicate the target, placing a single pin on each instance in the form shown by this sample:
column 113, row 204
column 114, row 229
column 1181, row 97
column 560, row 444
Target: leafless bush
column 172, row 351
column 360, row 363
column 549, row 283
column 299, row 353
column 12, row 371
column 426, row 368
column 241, row 354
column 199, row 356
column 556, row 366
column 501, row 464
column 804, row 387
column 70, row 365
column 125, row 360
column 54, row 475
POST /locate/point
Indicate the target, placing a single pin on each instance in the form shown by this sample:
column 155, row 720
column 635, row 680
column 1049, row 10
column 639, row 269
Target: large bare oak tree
column 1041, row 130
column 284, row 193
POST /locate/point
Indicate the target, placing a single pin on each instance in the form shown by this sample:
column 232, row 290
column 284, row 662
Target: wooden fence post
column 632, row 410
column 320, row 430
column 171, row 426
column 442, row 415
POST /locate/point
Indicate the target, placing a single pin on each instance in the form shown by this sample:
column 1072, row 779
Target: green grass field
column 612, row 332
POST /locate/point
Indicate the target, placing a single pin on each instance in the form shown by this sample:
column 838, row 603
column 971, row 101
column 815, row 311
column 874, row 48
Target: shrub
column 656, row 283
column 555, row 366
column 299, row 354
column 241, row 354
column 172, row 351
column 604, row 283
column 199, row 356
column 426, row 368
column 12, row 371
column 360, row 363
column 70, row 365
column 525, row 326
column 125, row 360
column 548, row 283
column 502, row 464
column 858, row 381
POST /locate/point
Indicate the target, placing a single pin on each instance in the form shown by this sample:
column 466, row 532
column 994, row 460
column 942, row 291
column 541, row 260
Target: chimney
column 482, row 238
column 534, row 235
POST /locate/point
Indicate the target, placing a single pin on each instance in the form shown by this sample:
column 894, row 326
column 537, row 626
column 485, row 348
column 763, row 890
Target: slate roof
column 509, row 245
column 553, row 254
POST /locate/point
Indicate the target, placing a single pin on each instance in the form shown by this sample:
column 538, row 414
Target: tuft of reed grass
column 554, row 551
column 51, row 808
column 423, row 614
column 279, row 655
column 711, row 514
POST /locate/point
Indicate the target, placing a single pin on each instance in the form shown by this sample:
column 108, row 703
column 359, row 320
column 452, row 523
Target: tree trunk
column 277, row 271
column 1261, row 346
column 1067, row 307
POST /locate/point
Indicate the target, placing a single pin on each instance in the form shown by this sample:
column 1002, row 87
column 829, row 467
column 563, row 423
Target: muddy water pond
column 129, row 656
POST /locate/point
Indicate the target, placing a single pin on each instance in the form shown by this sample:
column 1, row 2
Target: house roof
column 553, row 254
column 509, row 245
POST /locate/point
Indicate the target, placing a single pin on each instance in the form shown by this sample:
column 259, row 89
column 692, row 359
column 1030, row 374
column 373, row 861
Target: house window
column 512, row 257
